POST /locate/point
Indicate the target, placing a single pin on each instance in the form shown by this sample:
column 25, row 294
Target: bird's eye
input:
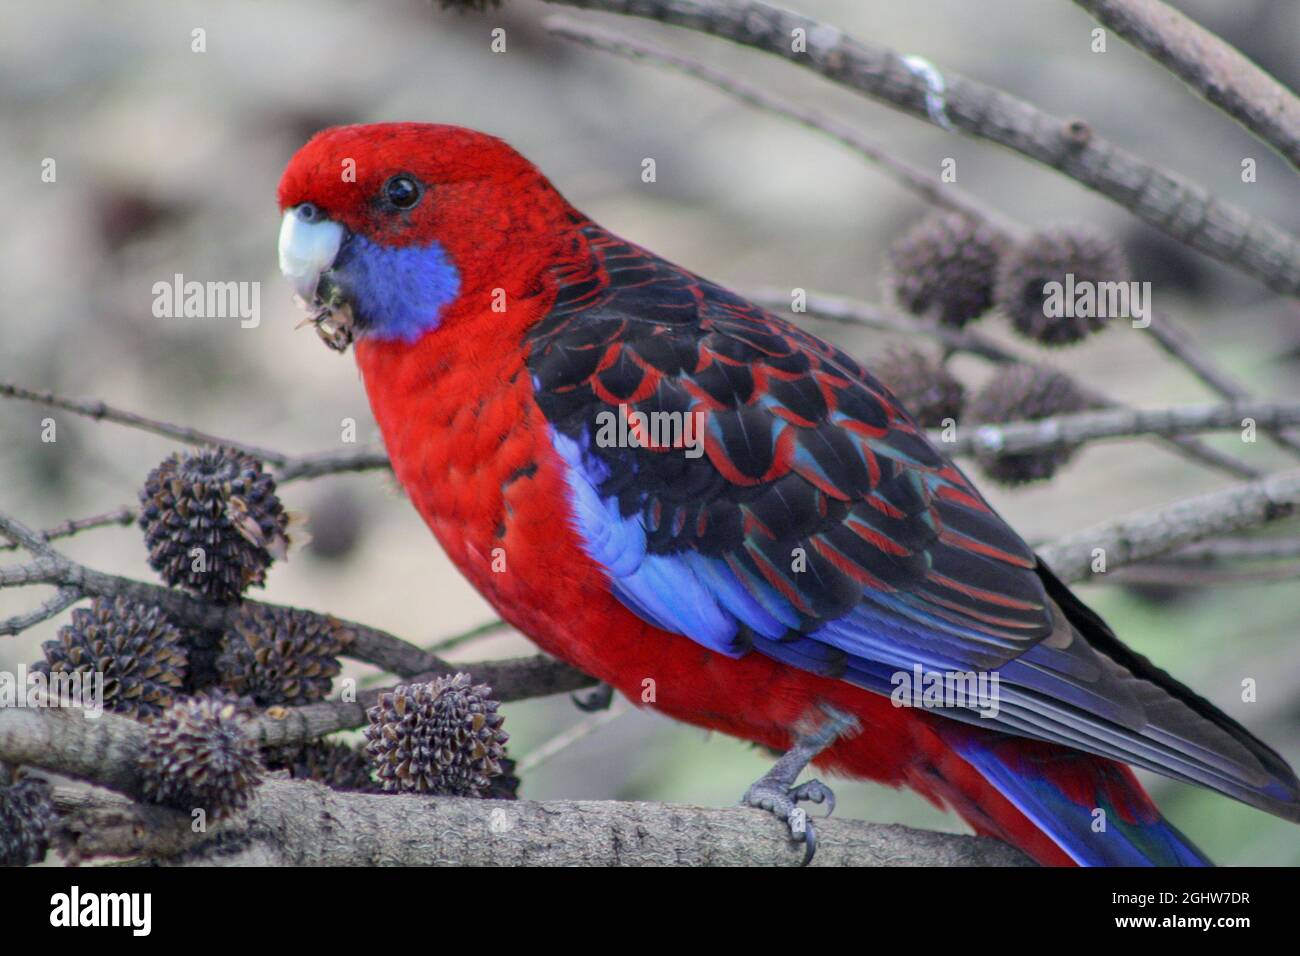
column 402, row 191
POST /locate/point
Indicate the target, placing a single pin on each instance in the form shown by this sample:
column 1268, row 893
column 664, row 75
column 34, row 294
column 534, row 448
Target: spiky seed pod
column 1025, row 393
column 945, row 264
column 198, row 755
column 140, row 654
column 925, row 387
column 221, row 502
column 281, row 655
column 334, row 764
column 27, row 817
column 1059, row 316
column 442, row 737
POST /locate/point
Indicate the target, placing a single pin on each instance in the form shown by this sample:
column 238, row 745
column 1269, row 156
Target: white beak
column 307, row 249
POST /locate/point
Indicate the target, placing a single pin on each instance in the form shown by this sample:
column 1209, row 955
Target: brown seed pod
column 443, row 737
column 198, row 755
column 946, row 265
column 27, row 817
column 281, row 655
column 925, row 387
column 212, row 522
column 1025, row 393
column 1047, row 274
column 140, row 654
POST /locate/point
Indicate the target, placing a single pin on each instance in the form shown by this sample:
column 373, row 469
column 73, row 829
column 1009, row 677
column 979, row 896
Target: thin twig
column 1211, row 66
column 319, row 464
column 1177, row 341
column 118, row 516
column 101, row 411
column 1180, row 575
column 567, row 738
column 287, row 467
column 1148, row 534
column 1065, row 431
column 465, row 637
column 1176, row 206
column 847, row 311
column 62, row 599
column 925, row 186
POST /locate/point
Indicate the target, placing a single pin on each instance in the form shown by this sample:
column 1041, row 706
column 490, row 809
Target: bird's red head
column 399, row 221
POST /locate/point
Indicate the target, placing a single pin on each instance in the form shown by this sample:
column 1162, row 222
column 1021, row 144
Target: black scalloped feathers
column 803, row 448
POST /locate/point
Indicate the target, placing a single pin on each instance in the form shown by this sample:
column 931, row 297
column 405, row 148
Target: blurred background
column 168, row 159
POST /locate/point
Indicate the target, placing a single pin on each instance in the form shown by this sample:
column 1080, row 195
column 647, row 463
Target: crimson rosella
column 775, row 572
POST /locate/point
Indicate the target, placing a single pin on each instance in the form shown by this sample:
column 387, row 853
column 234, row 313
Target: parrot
column 724, row 517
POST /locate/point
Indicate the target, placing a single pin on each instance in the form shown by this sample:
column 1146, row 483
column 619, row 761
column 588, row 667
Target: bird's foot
column 777, row 793
column 598, row 698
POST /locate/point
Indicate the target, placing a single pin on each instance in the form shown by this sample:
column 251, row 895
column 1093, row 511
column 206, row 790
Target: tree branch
column 1176, row 206
column 119, row 516
column 301, row 823
column 1150, row 533
column 1178, row 343
column 926, row 187
column 1068, row 430
column 287, row 467
column 1210, row 65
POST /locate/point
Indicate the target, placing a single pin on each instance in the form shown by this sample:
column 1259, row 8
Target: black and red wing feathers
column 812, row 478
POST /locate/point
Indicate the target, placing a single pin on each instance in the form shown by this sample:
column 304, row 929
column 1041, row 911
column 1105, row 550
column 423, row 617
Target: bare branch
column 288, row 467
column 1211, row 66
column 119, row 516
column 1177, row 341
column 293, row 822
column 1240, row 549
column 465, row 637
column 1148, row 534
column 846, row 311
column 925, row 186
column 1064, row 431
column 319, row 464
column 1178, row 207
column 100, row 411
column 62, row 599
column 1178, row 574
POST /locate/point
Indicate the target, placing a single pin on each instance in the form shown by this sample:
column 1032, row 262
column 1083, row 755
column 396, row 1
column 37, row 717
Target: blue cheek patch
column 398, row 293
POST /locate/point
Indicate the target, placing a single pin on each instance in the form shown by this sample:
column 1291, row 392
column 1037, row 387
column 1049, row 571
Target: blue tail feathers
column 1092, row 808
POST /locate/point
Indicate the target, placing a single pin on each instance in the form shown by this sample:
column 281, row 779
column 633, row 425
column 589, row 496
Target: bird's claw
column 777, row 793
column 783, row 803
